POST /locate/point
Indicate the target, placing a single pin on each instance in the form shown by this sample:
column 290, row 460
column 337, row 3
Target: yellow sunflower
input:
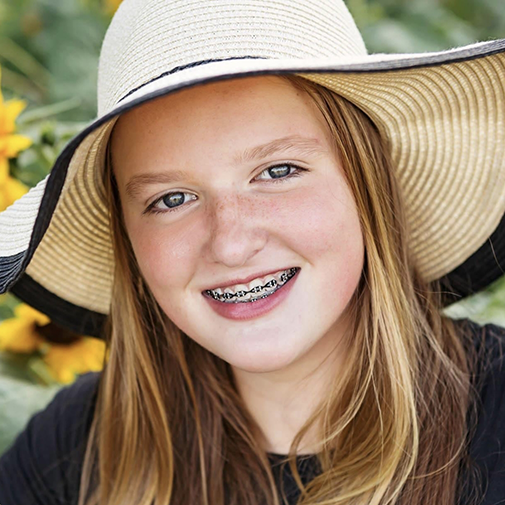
column 19, row 334
column 10, row 146
column 65, row 354
column 10, row 190
column 66, row 361
column 112, row 5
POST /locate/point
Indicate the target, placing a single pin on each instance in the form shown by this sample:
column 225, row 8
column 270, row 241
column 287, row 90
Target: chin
column 261, row 362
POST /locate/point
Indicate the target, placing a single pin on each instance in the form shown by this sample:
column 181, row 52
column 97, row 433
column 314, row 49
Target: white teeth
column 248, row 297
column 255, row 283
column 260, row 281
column 257, row 288
column 240, row 287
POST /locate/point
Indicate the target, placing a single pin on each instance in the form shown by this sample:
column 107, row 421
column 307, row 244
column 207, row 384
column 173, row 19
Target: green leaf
column 48, row 111
column 485, row 307
column 8, row 303
column 19, row 401
column 14, row 366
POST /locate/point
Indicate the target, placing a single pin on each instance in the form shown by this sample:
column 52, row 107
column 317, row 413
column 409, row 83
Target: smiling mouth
column 256, row 293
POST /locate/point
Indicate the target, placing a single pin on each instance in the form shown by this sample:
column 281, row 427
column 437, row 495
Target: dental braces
column 227, row 297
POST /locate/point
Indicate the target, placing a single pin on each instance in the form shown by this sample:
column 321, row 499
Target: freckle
column 223, row 204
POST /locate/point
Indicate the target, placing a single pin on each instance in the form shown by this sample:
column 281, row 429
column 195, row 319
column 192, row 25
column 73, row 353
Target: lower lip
column 251, row 310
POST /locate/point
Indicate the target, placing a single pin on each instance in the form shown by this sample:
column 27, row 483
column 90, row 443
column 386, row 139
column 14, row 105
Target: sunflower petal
column 13, row 190
column 14, row 144
column 18, row 335
column 4, row 169
column 3, row 200
column 68, row 360
column 11, row 111
column 28, row 313
column 1, row 94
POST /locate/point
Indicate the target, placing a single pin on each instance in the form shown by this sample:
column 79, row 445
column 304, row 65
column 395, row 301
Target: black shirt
column 43, row 466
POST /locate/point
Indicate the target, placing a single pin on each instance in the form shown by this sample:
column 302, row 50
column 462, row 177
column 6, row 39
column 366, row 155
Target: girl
column 264, row 223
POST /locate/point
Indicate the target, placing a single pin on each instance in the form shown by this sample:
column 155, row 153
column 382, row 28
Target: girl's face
column 230, row 182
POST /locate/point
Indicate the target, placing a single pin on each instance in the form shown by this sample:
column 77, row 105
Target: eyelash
column 151, row 209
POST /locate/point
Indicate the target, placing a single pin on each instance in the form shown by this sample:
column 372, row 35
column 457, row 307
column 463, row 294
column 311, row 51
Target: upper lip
column 245, row 280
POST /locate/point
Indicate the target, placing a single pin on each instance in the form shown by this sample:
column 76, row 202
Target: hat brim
column 455, row 211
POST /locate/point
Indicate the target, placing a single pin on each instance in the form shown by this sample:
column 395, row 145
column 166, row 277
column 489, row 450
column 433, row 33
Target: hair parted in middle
column 171, row 428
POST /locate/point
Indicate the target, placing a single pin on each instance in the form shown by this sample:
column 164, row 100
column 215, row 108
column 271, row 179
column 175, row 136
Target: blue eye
column 281, row 172
column 169, row 202
column 173, row 199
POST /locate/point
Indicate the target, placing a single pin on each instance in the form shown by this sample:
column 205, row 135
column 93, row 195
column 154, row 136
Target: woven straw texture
column 150, row 37
column 445, row 124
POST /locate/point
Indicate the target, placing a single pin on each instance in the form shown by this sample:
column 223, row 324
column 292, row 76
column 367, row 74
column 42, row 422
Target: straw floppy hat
column 443, row 113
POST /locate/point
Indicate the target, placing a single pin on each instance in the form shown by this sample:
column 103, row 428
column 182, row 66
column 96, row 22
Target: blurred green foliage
column 20, row 397
column 49, row 55
column 49, row 51
column 405, row 26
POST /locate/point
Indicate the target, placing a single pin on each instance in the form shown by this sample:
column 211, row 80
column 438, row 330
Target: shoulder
column 486, row 344
column 487, row 443
column 487, row 369
column 73, row 404
column 68, row 416
column 44, row 463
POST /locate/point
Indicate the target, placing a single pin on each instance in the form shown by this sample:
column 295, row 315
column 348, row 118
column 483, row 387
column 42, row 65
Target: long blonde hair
column 170, row 427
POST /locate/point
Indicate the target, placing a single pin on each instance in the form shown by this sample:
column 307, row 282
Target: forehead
column 213, row 130
column 216, row 108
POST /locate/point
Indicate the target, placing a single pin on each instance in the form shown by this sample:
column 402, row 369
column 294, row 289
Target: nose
column 236, row 234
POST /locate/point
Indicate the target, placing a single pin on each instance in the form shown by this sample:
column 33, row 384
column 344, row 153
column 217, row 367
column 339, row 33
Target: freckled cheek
column 319, row 221
column 166, row 255
column 322, row 226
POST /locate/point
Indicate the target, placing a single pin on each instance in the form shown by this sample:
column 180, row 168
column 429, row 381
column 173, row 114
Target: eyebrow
column 302, row 145
column 135, row 185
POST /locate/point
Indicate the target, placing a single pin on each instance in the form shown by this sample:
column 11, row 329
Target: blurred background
column 48, row 66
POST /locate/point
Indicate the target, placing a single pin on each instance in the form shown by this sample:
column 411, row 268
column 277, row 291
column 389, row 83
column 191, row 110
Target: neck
column 281, row 401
